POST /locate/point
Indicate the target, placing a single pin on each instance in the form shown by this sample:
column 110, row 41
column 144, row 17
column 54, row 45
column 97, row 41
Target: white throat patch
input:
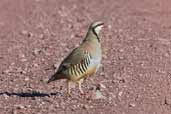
column 98, row 29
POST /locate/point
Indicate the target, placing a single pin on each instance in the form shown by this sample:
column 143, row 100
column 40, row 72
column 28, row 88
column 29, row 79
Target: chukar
column 83, row 61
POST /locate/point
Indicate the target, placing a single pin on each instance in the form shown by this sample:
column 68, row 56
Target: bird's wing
column 77, row 56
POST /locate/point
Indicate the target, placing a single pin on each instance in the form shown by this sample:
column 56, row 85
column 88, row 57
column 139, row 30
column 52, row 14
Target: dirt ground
column 35, row 35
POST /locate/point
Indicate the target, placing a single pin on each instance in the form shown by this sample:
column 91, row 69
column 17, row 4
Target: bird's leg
column 69, row 88
column 79, row 86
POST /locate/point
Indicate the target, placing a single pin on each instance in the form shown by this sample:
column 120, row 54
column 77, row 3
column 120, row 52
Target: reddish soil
column 36, row 35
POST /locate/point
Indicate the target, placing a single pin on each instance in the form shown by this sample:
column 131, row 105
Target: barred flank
column 80, row 68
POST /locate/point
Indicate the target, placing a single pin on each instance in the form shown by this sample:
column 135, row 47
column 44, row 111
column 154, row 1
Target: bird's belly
column 91, row 71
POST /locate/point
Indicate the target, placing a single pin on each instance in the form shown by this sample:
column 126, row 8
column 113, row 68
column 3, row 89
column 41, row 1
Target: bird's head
column 94, row 30
column 96, row 27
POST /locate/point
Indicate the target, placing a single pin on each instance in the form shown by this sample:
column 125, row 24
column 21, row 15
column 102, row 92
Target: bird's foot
column 68, row 94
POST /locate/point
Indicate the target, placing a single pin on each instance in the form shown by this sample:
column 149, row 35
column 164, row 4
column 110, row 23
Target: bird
column 83, row 61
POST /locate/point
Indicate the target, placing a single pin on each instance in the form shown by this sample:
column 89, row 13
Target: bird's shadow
column 30, row 94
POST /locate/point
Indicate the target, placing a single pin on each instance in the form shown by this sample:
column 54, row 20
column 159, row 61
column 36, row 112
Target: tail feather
column 54, row 77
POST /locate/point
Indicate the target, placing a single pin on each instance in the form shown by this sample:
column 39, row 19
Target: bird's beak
column 104, row 27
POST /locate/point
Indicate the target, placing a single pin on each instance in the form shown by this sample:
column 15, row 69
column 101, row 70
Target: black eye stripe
column 98, row 25
column 96, row 35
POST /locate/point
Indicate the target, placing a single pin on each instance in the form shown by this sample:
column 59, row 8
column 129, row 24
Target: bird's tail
column 54, row 77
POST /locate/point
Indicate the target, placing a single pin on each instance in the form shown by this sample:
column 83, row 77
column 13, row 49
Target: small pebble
column 85, row 107
column 26, row 79
column 6, row 71
column 132, row 105
column 35, row 65
column 120, row 93
column 24, row 32
column 102, row 86
column 36, row 52
column 20, row 106
column 23, row 59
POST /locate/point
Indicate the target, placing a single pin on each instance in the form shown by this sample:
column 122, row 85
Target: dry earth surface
column 35, row 35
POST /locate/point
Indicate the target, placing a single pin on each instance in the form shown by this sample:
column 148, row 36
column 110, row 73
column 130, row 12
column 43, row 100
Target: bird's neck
column 93, row 37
